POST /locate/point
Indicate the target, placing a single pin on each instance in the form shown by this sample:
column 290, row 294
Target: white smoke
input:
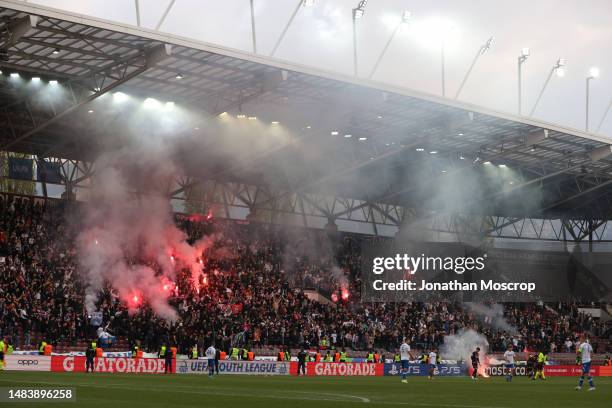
column 491, row 315
column 124, row 235
column 461, row 345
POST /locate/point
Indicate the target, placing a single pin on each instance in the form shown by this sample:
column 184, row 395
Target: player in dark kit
column 475, row 363
column 168, row 358
column 531, row 365
column 302, row 361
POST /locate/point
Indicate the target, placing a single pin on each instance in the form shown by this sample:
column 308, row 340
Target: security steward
column 41, row 349
column 217, row 358
column 370, row 358
column 2, row 346
column 302, row 356
column 90, row 354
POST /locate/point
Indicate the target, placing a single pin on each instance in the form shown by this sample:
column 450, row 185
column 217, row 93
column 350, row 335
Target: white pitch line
column 347, row 398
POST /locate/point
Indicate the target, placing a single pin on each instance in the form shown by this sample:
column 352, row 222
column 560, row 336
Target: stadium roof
column 405, row 146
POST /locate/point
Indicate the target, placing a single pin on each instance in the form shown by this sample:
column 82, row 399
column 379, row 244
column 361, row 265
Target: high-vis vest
column 287, row 356
column 235, row 352
column 135, row 352
column 162, row 351
column 2, row 346
column 397, row 358
column 370, row 358
column 42, row 346
column 541, row 358
column 9, row 349
column 94, row 345
column 328, row 358
column 194, row 353
column 343, row 356
column 324, row 343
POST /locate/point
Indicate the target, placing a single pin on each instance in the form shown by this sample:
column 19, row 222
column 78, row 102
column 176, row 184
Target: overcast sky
column 321, row 36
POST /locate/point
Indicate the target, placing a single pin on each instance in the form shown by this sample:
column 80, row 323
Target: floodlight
column 169, row 105
column 560, row 72
column 275, row 122
column 334, row 133
column 357, row 13
column 348, row 136
column 56, row 51
column 54, row 82
column 179, row 76
column 35, row 79
column 150, row 103
column 363, row 138
column 118, row 96
column 14, row 75
column 525, row 52
column 593, row 72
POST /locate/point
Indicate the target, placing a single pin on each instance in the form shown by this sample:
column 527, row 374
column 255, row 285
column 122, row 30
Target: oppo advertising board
column 16, row 362
column 234, row 367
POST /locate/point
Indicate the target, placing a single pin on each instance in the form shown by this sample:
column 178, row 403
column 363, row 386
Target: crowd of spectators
column 254, row 294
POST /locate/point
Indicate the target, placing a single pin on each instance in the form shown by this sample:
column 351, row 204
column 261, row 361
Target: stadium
column 185, row 224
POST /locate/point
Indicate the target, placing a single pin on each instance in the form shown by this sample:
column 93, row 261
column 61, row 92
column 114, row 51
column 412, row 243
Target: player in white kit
column 584, row 350
column 405, row 357
column 509, row 357
column 210, row 356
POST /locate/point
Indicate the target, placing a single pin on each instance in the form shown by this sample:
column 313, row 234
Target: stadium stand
column 254, row 295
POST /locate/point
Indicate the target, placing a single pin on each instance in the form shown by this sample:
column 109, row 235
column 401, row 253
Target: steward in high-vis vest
column 135, row 351
column 235, row 353
column 343, row 356
column 2, row 347
column 397, row 358
column 244, row 354
column 328, row 358
column 162, row 351
column 41, row 349
column 324, row 343
column 287, row 355
column 370, row 358
column 194, row 352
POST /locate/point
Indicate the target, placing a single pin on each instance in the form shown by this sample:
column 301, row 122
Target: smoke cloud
column 461, row 345
column 491, row 315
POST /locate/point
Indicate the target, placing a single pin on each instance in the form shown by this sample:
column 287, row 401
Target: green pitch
column 117, row 391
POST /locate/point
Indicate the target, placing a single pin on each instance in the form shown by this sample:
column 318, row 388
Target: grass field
column 116, row 390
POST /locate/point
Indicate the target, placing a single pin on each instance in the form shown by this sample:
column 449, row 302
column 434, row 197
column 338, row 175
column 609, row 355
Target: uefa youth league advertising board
column 234, row 367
